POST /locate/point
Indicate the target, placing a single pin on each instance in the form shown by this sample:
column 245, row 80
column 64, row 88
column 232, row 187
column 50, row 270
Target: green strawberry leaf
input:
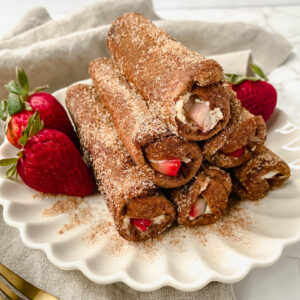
column 14, row 104
column 39, row 89
column 14, row 88
column 12, row 172
column 3, row 109
column 27, row 106
column 257, row 70
column 22, row 79
column 34, row 125
column 8, row 161
column 237, row 79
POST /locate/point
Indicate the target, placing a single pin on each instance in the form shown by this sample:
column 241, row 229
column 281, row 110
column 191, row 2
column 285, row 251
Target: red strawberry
column 238, row 152
column 16, row 125
column 198, row 208
column 49, row 162
column 168, row 167
column 21, row 100
column 142, row 224
column 52, row 113
column 199, row 112
column 256, row 95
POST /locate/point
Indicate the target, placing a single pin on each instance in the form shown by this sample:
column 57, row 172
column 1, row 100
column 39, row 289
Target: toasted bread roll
column 235, row 144
column 166, row 159
column 203, row 200
column 263, row 172
column 138, row 208
column 184, row 87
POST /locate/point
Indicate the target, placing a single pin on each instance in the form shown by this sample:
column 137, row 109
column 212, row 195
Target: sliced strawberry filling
column 141, row 224
column 198, row 208
column 238, row 152
column 168, row 167
column 199, row 113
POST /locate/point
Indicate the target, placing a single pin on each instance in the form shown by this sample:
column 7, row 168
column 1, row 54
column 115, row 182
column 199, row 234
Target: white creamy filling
column 207, row 210
column 184, row 159
column 204, row 210
column 126, row 222
column 180, row 112
column 157, row 220
column 205, row 185
column 209, row 121
column 213, row 118
column 270, row 175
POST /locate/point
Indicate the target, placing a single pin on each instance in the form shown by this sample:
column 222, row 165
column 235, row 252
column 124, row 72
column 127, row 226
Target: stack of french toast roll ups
column 165, row 135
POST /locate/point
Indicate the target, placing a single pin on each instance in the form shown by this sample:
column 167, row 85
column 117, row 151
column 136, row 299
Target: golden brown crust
column 248, row 180
column 243, row 130
column 142, row 132
column 214, row 185
column 117, row 176
column 160, row 68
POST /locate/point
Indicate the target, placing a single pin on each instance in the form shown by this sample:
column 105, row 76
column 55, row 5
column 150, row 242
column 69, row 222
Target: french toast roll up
column 263, row 172
column 235, row 144
column 203, row 200
column 138, row 208
column 184, row 87
column 165, row 158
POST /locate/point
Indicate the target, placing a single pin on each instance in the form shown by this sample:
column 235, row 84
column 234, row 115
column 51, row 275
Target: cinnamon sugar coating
column 117, row 176
column 243, row 130
column 161, row 69
column 251, row 182
column 211, row 183
column 140, row 129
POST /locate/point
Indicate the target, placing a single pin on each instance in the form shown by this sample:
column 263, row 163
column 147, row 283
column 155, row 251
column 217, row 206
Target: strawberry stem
column 34, row 125
column 257, row 70
column 22, row 79
column 236, row 79
column 18, row 95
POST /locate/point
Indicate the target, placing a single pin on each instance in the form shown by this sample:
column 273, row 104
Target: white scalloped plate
column 254, row 235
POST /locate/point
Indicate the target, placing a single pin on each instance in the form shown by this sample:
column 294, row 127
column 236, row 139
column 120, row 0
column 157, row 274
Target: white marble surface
column 282, row 280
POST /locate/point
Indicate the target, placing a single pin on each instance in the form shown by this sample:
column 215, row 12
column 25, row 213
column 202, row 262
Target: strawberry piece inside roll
column 203, row 200
column 185, row 88
column 166, row 159
column 138, row 207
column 236, row 143
column 263, row 172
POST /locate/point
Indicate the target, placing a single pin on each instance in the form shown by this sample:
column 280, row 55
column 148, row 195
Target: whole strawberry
column 15, row 109
column 49, row 162
column 256, row 94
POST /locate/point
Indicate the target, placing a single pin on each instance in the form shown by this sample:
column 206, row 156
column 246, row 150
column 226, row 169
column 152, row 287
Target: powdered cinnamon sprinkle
column 82, row 217
column 66, row 205
column 100, row 229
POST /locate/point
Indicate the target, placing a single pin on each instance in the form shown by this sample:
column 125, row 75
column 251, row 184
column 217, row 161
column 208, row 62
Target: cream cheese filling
column 184, row 160
column 157, row 220
column 269, row 175
column 209, row 120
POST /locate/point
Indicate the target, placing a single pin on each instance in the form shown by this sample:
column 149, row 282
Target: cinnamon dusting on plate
column 65, row 205
column 100, row 229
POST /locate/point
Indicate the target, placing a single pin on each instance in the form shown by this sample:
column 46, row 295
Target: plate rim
column 123, row 276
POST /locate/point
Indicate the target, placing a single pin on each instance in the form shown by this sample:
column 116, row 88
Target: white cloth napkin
column 58, row 52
